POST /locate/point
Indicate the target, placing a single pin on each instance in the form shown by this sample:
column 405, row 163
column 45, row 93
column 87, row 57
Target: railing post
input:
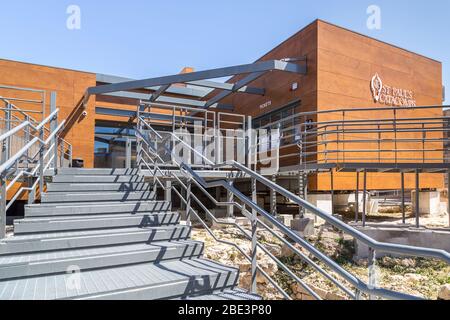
column 70, row 156
column 273, row 199
column 155, row 185
column 249, row 142
column 53, row 127
column 61, row 154
column 27, row 139
column 7, row 144
column 138, row 138
column 373, row 280
column 188, row 203
column 254, row 283
column 41, row 161
column 2, row 207
column 168, row 192
column 230, row 199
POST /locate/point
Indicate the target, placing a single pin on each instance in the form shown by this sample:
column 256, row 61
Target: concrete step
column 91, row 238
column 72, row 223
column 97, row 197
column 34, row 264
column 97, row 179
column 235, row 294
column 98, row 172
column 166, row 280
column 69, row 209
column 83, row 187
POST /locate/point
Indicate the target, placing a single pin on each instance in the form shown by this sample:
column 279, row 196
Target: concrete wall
column 413, row 237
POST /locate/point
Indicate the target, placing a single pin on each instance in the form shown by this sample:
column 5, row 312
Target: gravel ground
column 419, row 277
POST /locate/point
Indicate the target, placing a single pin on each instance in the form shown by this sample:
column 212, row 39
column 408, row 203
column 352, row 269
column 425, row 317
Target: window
column 280, row 119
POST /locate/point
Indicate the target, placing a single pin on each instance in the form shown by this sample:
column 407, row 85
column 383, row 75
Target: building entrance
column 115, row 146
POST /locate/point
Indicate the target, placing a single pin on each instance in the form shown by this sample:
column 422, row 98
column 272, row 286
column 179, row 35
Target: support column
column 332, row 191
column 357, row 198
column 417, row 209
column 365, row 199
column 448, row 196
column 403, row 199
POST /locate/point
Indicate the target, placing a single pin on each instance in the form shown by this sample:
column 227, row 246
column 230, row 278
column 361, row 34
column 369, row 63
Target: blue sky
column 146, row 38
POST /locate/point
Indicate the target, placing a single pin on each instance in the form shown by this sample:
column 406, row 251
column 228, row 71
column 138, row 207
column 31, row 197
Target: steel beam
column 159, row 92
column 237, row 86
column 193, row 92
column 165, row 99
column 227, row 87
column 201, row 75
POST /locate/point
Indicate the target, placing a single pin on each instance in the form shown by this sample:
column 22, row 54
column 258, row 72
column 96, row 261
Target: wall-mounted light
column 294, row 86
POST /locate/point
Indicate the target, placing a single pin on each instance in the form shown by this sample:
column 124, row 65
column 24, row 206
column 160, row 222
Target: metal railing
column 373, row 135
column 351, row 285
column 28, row 149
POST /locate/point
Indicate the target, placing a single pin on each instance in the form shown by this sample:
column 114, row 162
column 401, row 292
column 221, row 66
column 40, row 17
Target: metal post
column 2, row 207
column 365, row 199
column 53, row 127
column 273, row 198
column 332, row 191
column 41, row 161
column 128, row 154
column 357, row 198
column 372, row 271
column 168, row 191
column 417, row 209
column 138, row 138
column 230, row 199
column 254, row 287
column 27, row 139
column 8, row 118
column 70, row 156
column 188, row 203
column 249, row 142
column 448, row 196
column 403, row 198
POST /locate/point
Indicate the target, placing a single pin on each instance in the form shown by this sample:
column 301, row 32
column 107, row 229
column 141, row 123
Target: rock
column 397, row 278
column 304, row 227
column 245, row 267
column 414, row 277
column 274, row 249
column 286, row 251
column 408, row 263
column 444, row 293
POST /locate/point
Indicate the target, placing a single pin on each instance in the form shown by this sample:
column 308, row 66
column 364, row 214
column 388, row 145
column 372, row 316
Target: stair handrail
column 47, row 145
column 360, row 286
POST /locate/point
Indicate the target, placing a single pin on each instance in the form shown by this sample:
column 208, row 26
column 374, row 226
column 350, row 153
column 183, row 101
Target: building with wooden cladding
column 345, row 71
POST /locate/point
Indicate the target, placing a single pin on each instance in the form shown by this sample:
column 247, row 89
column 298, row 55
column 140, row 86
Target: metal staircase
column 103, row 234
column 106, row 227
